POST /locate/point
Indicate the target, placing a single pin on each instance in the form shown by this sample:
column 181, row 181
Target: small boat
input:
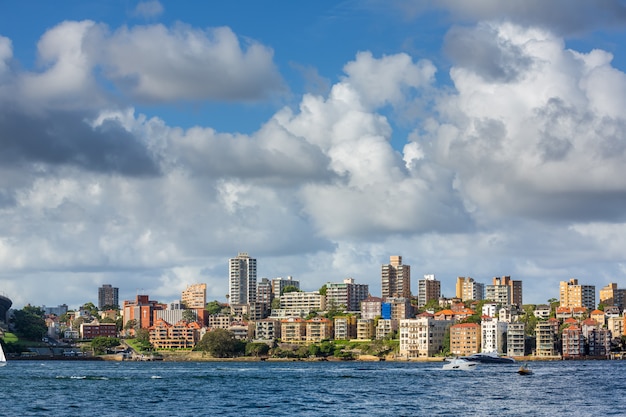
column 524, row 370
column 459, row 364
column 488, row 357
column 3, row 359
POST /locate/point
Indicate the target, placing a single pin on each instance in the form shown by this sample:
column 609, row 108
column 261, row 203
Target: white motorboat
column 459, row 364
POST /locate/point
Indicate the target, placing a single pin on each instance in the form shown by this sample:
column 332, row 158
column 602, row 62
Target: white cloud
column 148, row 9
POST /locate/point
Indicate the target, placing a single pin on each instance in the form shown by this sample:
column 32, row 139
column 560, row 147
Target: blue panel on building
column 385, row 311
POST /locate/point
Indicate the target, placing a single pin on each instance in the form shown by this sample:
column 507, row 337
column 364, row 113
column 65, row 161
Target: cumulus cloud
column 561, row 16
column 148, row 9
column 543, row 143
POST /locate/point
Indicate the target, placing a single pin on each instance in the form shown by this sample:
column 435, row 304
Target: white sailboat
column 3, row 359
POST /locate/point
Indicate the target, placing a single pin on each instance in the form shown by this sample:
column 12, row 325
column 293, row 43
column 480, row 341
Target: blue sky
column 142, row 144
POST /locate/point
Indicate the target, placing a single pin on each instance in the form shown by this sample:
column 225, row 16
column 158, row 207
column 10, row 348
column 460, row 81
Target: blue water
column 72, row 388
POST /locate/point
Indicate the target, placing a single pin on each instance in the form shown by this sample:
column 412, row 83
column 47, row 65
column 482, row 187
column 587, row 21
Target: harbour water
column 85, row 388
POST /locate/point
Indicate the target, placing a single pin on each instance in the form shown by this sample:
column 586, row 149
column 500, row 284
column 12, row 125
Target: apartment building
column 493, row 335
column 242, row 279
column 108, row 295
column 400, row 308
column 345, row 327
column 267, row 330
column 371, row 307
column 396, row 278
column 465, row 339
column 573, row 343
column 181, row 335
column 610, row 295
column 300, row 304
column 95, row 329
column 545, row 339
column 516, row 339
column 616, row 326
column 422, row 336
column 467, row 289
column 279, row 284
column 293, row 330
column 572, row 294
column 346, row 295
column 428, row 289
column 318, row 329
column 141, row 310
column 365, row 329
column 385, row 327
column 194, row 296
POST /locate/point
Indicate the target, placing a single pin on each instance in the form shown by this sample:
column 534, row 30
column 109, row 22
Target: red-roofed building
column 573, row 343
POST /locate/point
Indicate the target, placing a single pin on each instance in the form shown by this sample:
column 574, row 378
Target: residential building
column 493, row 335
column 267, row 330
column 542, row 311
column 465, row 339
column 194, row 296
column 573, row 294
column 545, row 338
column 599, row 342
column 505, row 291
column 264, row 294
column 293, row 330
column 108, row 295
column 365, row 329
column 396, row 278
column 170, row 315
column 516, row 339
column 345, row 327
column 181, row 335
column 94, row 329
column 428, row 289
column 489, row 309
column 242, row 279
column 610, row 295
column 467, row 289
column 371, row 308
column 422, row 336
column 58, row 311
column 386, row 327
column 573, row 342
column 400, row 308
column 346, row 296
column 300, row 304
column 279, row 284
column 241, row 330
column 598, row 316
column 220, row 321
column 318, row 329
column 616, row 326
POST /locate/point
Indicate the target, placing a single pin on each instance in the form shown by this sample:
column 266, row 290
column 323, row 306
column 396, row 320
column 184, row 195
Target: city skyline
column 144, row 143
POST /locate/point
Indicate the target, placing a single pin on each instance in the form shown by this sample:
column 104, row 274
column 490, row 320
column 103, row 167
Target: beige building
column 371, row 307
column 318, row 329
column 293, row 330
column 181, row 335
column 385, row 327
column 465, row 339
column 573, row 294
column 365, row 329
column 345, row 327
column 266, row 330
column 515, row 339
column 616, row 326
column 545, row 339
column 194, row 296
column 300, row 304
column 467, row 289
column 612, row 296
column 428, row 289
column 422, row 337
column 396, row 278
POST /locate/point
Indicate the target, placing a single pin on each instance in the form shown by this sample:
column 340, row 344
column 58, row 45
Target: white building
column 493, row 335
column 422, row 337
column 242, row 279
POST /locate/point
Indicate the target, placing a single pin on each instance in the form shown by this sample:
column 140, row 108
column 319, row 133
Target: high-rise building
column 613, row 296
column 278, row 284
column 194, row 296
column 396, row 278
column 469, row 290
column 505, row 291
column 108, row 296
column 428, row 289
column 574, row 295
column 346, row 295
column 242, row 279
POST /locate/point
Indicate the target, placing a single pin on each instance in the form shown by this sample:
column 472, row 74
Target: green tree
column 275, row 303
column 220, row 343
column 289, row 288
column 91, row 308
column 130, row 324
column 323, row 290
column 189, row 316
column 101, row 344
column 213, row 307
column 257, row 349
column 29, row 323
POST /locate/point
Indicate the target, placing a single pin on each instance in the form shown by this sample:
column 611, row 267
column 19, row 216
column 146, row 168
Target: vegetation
column 213, row 307
column 190, row 316
column 100, row 345
column 221, row 343
column 289, row 288
column 29, row 323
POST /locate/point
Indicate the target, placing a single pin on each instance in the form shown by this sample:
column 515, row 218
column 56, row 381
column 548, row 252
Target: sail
column 3, row 359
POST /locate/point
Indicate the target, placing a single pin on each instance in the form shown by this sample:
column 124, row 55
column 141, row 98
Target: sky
column 143, row 144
